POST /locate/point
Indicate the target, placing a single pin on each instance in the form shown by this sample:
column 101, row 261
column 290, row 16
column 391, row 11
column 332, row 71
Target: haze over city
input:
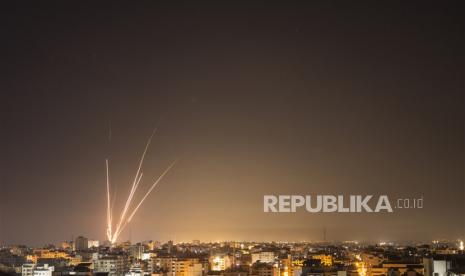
column 356, row 98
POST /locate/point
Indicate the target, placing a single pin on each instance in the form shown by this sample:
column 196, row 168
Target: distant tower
column 81, row 243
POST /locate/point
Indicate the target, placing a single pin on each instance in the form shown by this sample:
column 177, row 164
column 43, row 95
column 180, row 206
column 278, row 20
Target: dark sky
column 333, row 98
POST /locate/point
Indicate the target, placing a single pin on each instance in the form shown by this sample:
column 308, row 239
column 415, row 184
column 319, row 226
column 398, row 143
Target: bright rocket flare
column 109, row 222
column 113, row 236
column 150, row 190
column 134, row 184
column 113, row 200
column 118, row 232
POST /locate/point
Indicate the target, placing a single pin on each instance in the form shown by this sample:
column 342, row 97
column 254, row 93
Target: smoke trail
column 113, row 202
column 150, row 190
column 109, row 223
column 134, row 184
column 131, row 195
column 118, row 232
column 137, row 184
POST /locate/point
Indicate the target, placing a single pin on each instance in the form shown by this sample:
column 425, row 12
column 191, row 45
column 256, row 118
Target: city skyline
column 251, row 99
column 88, row 257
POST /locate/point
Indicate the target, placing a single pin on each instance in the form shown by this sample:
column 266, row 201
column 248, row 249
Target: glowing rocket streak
column 113, row 203
column 133, row 189
column 142, row 200
column 119, row 228
column 109, row 223
column 150, row 190
column 126, row 207
column 137, row 184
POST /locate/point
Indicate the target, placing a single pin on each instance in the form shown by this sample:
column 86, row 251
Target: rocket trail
column 137, row 184
column 124, row 219
column 150, row 190
column 109, row 222
column 129, row 201
column 142, row 200
column 121, row 226
column 134, row 185
column 113, row 202
column 109, row 204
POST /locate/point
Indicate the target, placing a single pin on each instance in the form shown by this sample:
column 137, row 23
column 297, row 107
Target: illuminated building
column 264, row 269
column 27, row 269
column 386, row 268
column 263, row 257
column 18, row 250
column 446, row 251
column 162, row 263
column 146, row 256
column 135, row 270
column 136, row 251
column 296, row 271
column 74, row 260
column 50, row 254
column 151, row 245
column 93, row 243
column 67, row 245
column 436, row 266
column 220, row 262
column 312, row 267
column 195, row 269
column 32, row 258
column 187, row 267
column 82, row 269
column 235, row 273
column 179, row 267
column 285, row 266
column 298, row 262
column 44, row 270
column 114, row 265
column 326, row 260
column 371, row 260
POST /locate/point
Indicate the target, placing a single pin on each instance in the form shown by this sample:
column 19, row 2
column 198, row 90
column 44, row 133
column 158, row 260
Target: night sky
column 341, row 97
